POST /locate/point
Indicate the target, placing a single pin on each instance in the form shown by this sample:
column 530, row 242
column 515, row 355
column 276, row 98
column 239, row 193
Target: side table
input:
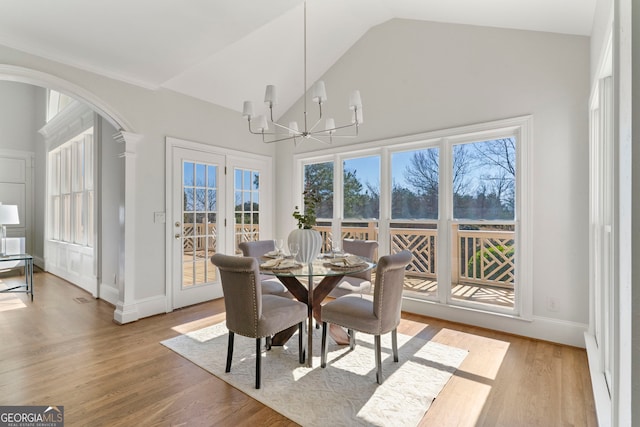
column 28, row 273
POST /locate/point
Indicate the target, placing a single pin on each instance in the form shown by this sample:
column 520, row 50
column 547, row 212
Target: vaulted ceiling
column 226, row 51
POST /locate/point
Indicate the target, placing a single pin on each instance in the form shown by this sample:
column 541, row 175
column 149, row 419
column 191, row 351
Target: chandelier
column 259, row 125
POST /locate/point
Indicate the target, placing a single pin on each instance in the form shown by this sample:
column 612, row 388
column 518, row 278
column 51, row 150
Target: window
column 457, row 201
column 71, row 191
column 247, row 205
column 199, row 215
column 56, row 102
column 483, row 240
column 415, row 186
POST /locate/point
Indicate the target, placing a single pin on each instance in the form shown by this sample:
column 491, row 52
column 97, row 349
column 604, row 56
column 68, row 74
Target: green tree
column 318, row 177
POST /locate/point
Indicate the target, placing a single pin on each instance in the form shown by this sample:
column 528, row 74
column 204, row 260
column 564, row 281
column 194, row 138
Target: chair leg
column 394, row 344
column 352, row 338
column 258, row 361
column 302, row 347
column 378, row 350
column 323, row 348
column 267, row 343
column 229, row 352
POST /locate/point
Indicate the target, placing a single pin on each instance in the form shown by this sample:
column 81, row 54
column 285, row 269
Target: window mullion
column 445, row 215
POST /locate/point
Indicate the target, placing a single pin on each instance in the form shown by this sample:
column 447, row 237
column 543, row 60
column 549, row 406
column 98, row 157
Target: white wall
column 18, row 112
column 18, row 118
column 414, row 77
column 111, row 176
column 39, row 178
column 154, row 115
column 420, row 76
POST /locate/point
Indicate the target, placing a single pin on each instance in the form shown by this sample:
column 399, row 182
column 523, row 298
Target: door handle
column 177, row 236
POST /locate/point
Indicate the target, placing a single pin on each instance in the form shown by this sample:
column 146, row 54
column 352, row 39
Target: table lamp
column 8, row 216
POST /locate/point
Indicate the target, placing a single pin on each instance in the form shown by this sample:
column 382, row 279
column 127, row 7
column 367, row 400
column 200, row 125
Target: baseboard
column 127, row 313
column 600, row 390
column 547, row 329
column 39, row 262
column 109, row 293
column 152, row 306
column 88, row 283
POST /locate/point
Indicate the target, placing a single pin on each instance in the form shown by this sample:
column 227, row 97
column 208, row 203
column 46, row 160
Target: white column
column 126, row 307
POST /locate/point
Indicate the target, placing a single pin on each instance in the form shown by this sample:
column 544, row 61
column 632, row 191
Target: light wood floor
column 64, row 349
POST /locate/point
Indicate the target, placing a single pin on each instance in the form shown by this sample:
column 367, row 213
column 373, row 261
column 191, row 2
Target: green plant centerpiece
column 308, row 241
column 307, row 218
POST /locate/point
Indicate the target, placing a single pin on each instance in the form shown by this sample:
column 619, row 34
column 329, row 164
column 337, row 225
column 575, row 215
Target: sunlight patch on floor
column 10, row 302
column 198, row 324
column 476, row 375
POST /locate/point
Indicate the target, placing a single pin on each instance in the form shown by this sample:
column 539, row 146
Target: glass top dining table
column 331, row 273
column 320, row 267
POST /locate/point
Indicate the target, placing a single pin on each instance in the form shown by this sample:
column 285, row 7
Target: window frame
column 67, row 186
column 519, row 127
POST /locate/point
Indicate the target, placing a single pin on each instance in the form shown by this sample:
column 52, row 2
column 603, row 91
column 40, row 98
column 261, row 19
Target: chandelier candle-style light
column 258, row 125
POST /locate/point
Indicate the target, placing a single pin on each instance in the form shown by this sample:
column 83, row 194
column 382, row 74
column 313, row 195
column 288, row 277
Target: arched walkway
column 125, row 307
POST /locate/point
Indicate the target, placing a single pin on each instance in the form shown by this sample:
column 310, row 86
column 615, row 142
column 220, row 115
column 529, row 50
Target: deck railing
column 481, row 256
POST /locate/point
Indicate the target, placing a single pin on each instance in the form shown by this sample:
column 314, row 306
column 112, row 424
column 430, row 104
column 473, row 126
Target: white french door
column 215, row 200
column 195, row 220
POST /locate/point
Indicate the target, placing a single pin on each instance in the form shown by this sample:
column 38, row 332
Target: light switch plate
column 159, row 217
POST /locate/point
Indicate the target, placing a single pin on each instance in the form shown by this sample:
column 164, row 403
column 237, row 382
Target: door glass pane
column 199, row 222
column 247, row 206
column 361, row 194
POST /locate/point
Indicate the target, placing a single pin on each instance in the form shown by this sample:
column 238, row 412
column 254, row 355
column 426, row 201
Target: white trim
column 109, row 293
column 39, row 262
column 600, row 336
column 125, row 310
column 542, row 328
column 38, row 78
column 519, row 127
column 74, row 119
column 601, row 395
column 232, row 157
column 487, row 129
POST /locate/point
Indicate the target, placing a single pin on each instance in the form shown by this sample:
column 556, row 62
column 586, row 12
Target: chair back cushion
column 240, row 277
column 362, row 248
column 387, row 292
column 256, row 248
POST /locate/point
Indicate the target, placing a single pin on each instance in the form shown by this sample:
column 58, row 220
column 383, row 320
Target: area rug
column 345, row 393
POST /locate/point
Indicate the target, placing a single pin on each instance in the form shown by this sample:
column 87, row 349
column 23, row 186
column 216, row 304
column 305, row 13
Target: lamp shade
column 318, row 92
column 354, row 100
column 9, row 215
column 330, row 125
column 247, row 110
column 270, row 97
column 261, row 123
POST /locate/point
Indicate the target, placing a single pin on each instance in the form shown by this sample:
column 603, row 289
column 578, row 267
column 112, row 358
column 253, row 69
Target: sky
column 368, row 168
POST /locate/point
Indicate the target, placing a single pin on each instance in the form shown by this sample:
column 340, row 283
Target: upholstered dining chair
column 270, row 284
column 356, row 282
column 375, row 315
column 250, row 313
